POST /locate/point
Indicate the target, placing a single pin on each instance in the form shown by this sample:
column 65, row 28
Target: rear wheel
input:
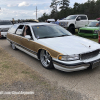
column 13, row 46
column 46, row 59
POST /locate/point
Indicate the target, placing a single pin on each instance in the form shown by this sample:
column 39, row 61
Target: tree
column 64, row 4
column 54, row 5
column 43, row 17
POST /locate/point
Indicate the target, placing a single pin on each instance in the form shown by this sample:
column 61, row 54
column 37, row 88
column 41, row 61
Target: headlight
column 64, row 24
column 96, row 31
column 69, row 57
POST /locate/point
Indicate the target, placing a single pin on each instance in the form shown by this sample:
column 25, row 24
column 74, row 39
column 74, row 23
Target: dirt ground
column 17, row 76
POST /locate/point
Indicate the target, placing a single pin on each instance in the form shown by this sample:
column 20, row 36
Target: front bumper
column 74, row 66
column 70, row 68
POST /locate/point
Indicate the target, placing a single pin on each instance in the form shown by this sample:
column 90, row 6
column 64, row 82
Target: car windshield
column 71, row 17
column 49, row 31
column 5, row 23
column 93, row 24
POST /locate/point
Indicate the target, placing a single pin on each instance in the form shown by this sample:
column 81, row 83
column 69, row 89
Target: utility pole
column 36, row 12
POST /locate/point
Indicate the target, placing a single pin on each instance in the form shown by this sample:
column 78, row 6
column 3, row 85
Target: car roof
column 78, row 15
column 32, row 24
column 5, row 21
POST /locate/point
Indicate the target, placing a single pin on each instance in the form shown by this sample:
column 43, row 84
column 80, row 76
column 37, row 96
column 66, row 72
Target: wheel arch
column 71, row 25
column 38, row 54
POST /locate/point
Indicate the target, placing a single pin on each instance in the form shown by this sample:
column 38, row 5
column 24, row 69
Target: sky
column 26, row 9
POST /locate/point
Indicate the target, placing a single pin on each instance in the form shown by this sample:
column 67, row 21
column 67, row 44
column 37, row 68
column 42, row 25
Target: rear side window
column 19, row 30
column 83, row 17
column 12, row 29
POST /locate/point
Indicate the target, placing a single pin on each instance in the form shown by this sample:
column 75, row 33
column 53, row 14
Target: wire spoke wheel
column 46, row 59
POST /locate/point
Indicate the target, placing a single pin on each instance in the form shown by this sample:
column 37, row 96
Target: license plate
column 95, row 64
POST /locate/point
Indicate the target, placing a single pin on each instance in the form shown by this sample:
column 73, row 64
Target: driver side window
column 27, row 31
column 78, row 18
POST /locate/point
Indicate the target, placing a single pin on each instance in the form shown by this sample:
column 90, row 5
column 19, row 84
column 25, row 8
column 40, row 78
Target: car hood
column 5, row 26
column 70, row 44
column 66, row 20
column 90, row 28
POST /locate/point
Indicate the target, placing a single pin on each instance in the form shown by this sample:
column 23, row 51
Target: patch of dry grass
column 17, row 76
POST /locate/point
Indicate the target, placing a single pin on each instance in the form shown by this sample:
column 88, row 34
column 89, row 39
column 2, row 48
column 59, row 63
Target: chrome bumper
column 70, row 68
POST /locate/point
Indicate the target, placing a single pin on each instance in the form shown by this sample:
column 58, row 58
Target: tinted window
column 12, row 29
column 83, row 17
column 71, row 17
column 50, row 31
column 93, row 24
column 5, row 23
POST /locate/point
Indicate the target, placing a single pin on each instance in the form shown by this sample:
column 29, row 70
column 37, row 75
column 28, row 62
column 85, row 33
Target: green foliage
column 90, row 8
column 64, row 4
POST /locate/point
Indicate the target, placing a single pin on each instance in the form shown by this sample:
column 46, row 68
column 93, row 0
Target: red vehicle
column 99, row 37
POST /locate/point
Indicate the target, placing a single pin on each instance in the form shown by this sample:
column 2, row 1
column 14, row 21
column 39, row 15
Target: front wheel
column 46, row 59
column 71, row 29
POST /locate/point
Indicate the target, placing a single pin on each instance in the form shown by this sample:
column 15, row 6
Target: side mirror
column 28, row 37
column 78, row 19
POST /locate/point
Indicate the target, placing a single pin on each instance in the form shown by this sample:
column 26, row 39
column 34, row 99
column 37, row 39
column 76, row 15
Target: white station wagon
column 54, row 46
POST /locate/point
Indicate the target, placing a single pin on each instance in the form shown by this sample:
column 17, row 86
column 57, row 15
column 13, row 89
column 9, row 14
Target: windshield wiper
column 63, row 35
column 52, row 36
column 46, row 37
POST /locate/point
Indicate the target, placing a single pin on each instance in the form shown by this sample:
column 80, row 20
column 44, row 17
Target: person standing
column 98, row 32
column 56, row 22
column 98, row 23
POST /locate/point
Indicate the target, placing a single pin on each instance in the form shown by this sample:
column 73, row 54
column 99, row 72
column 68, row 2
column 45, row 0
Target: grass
column 17, row 76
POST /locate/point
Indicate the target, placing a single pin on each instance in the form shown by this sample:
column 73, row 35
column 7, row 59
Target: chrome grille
column 89, row 55
column 86, row 31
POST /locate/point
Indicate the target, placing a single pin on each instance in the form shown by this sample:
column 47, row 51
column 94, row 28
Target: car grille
column 86, row 31
column 89, row 55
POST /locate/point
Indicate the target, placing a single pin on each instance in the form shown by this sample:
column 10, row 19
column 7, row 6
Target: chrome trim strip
column 26, row 49
column 29, row 53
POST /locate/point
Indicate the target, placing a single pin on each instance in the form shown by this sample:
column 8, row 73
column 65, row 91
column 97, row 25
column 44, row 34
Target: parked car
column 4, row 27
column 50, row 20
column 55, row 47
column 91, row 30
column 73, row 22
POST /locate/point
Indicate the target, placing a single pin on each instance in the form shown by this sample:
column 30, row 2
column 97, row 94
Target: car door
column 81, row 21
column 18, row 35
column 27, row 43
